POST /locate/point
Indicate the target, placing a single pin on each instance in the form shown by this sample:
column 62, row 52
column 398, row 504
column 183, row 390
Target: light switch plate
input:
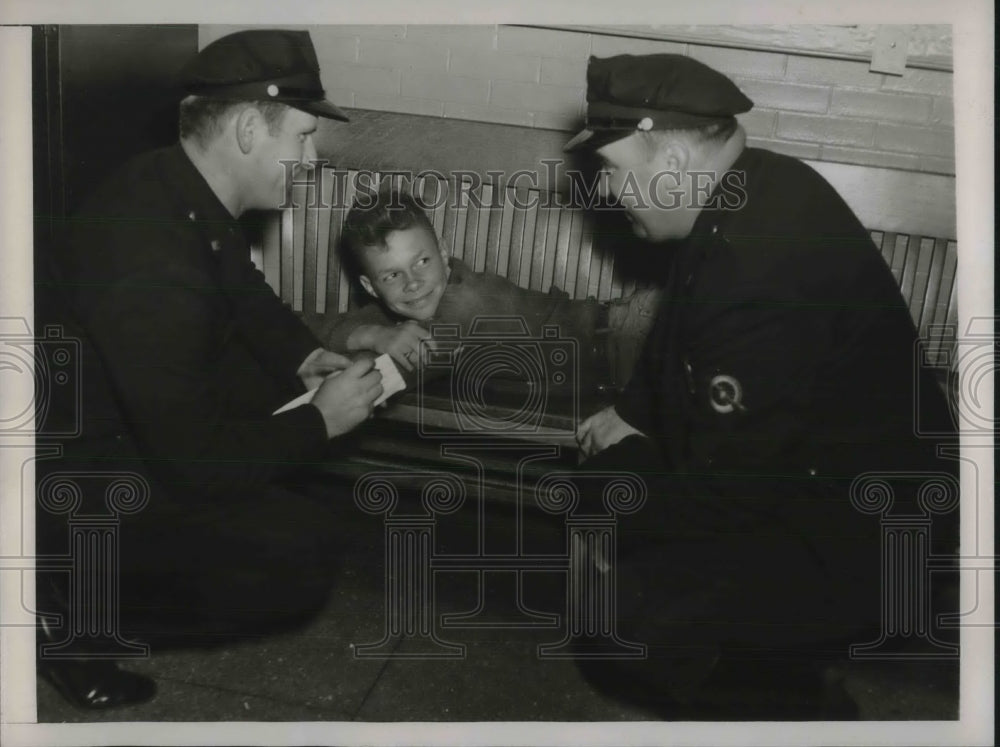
column 889, row 53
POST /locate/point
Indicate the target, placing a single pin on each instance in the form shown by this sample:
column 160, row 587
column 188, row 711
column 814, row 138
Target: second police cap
column 656, row 91
column 261, row 65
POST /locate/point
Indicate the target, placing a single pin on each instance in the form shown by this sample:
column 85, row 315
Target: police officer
column 191, row 352
column 780, row 366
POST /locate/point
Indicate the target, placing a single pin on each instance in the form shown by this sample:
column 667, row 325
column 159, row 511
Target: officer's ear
column 248, row 124
column 670, row 151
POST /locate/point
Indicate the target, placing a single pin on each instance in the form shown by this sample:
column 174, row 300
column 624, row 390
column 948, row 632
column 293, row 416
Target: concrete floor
column 313, row 674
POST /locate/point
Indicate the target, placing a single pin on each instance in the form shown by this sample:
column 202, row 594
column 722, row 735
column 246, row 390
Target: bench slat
column 478, row 227
column 607, row 269
column 339, row 284
column 909, row 268
column 503, row 246
column 564, row 268
column 328, row 193
column 934, row 273
column 550, row 249
column 537, row 249
column 920, row 278
column 310, row 236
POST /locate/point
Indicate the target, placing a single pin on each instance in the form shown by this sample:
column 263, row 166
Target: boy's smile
column 408, row 274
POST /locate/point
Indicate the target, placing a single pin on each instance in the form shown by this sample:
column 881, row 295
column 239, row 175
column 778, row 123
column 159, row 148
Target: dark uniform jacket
column 188, row 349
column 781, row 365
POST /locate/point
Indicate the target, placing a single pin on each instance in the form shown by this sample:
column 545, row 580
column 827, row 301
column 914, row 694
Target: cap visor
column 321, row 108
column 594, row 139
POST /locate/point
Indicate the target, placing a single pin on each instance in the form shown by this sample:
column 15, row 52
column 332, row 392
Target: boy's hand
column 346, row 399
column 403, row 343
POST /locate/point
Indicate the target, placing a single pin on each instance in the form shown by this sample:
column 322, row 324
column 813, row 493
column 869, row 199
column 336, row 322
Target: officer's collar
column 198, row 199
column 715, row 217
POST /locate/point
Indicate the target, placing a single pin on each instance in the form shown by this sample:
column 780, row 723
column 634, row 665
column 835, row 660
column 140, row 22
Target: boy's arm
column 344, row 333
column 371, row 329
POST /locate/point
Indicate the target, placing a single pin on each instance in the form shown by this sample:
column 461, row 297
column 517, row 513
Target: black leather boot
column 89, row 684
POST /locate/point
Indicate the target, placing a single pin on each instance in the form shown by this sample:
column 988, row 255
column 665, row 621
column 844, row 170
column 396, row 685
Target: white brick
column 398, row 104
column 943, row 111
column 494, row 114
column 452, row 36
column 562, row 72
column 838, row 73
column 535, row 97
column 609, row 46
column 490, row 65
column 334, row 48
column 936, row 82
column 445, row 87
column 870, row 157
column 895, row 107
column 377, row 31
column 740, row 61
column 825, row 130
column 771, row 94
column 549, row 42
column 364, row 79
column 340, row 96
column 758, row 122
column 925, row 141
column 567, row 122
column 937, row 165
column 797, row 150
column 403, row 56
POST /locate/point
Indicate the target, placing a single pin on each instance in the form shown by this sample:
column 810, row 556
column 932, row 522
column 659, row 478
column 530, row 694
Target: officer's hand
column 346, row 398
column 403, row 343
column 318, row 365
column 601, row 430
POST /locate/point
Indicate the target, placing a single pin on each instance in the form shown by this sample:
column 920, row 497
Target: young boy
column 391, row 245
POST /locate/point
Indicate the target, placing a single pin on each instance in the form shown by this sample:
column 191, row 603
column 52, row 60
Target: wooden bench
column 530, row 234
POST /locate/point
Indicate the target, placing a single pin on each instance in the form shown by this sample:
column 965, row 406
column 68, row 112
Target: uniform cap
column 261, row 65
column 627, row 92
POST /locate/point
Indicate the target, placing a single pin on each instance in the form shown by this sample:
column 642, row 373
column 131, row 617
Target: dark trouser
column 723, row 582
column 197, row 572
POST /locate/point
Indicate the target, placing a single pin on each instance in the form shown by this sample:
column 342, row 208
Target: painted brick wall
column 811, row 107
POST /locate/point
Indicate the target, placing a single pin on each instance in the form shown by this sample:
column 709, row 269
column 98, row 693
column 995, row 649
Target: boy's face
column 409, row 275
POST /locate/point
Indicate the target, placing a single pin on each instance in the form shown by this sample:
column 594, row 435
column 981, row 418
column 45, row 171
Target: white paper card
column 392, row 382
